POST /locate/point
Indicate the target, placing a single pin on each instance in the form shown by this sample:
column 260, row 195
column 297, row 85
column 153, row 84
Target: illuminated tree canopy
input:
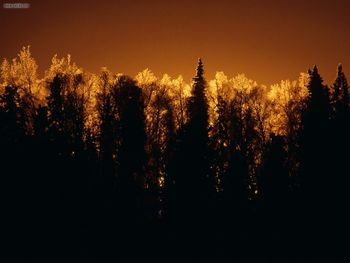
column 157, row 149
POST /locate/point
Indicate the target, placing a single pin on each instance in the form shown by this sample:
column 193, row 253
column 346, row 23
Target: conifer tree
column 340, row 134
column 315, row 144
column 340, row 96
column 198, row 107
column 193, row 177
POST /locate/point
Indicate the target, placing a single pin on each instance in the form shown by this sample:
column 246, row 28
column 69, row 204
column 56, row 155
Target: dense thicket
column 94, row 162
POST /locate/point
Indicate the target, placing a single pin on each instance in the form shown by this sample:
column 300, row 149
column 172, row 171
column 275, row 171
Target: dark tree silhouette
column 41, row 123
column 168, row 153
column 339, row 134
column 198, row 140
column 12, row 129
column 274, row 182
column 275, row 179
column 12, row 115
column 160, row 144
column 55, row 104
column 194, row 181
column 340, row 96
column 14, row 184
column 65, row 104
column 315, row 128
column 220, row 147
column 316, row 167
column 242, row 135
column 99, row 163
column 132, row 138
column 194, row 186
column 107, row 137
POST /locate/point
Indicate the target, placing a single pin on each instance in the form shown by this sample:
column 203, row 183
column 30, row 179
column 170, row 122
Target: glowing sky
column 265, row 39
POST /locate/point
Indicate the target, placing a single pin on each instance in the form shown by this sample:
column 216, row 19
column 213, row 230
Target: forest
column 98, row 163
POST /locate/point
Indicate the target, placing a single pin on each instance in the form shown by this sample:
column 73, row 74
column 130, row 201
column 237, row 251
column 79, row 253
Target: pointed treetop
column 314, row 74
column 200, row 70
column 315, row 80
column 340, row 67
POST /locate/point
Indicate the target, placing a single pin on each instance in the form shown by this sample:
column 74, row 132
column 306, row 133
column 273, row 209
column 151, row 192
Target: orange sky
column 265, row 39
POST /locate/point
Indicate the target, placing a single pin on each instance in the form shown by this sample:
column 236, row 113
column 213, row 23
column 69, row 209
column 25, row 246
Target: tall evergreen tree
column 315, row 128
column 194, row 186
column 198, row 141
column 340, row 134
column 318, row 108
column 340, row 95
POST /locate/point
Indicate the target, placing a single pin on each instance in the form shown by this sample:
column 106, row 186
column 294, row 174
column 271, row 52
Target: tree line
column 146, row 159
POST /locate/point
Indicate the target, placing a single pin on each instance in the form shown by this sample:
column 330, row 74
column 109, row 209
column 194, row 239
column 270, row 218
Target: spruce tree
column 193, row 178
column 315, row 143
column 340, row 98
column 198, row 107
column 198, row 133
column 340, row 134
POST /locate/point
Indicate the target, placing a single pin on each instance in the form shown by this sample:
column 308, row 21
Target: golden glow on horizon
column 257, row 108
column 269, row 103
column 268, row 40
